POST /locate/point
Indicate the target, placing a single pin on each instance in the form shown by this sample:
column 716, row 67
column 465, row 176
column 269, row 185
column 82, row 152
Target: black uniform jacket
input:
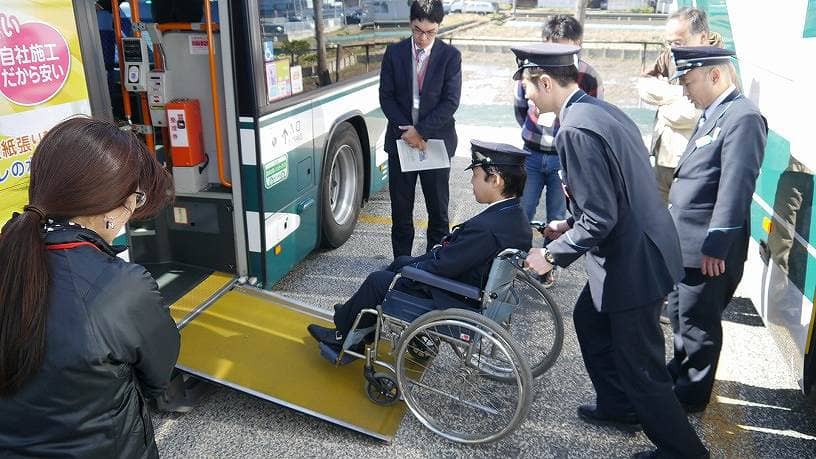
column 620, row 222
column 710, row 198
column 110, row 343
column 468, row 252
column 439, row 100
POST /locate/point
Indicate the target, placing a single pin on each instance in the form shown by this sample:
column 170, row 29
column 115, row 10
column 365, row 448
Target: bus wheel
column 341, row 186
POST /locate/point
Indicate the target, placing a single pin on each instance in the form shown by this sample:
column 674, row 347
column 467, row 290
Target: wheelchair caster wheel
column 382, row 389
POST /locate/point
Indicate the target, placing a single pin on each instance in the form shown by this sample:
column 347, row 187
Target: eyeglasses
column 427, row 33
column 141, row 198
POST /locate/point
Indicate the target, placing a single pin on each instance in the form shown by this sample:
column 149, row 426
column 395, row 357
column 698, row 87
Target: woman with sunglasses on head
column 84, row 335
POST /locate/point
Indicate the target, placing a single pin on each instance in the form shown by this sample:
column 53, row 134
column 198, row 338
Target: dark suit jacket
column 619, row 221
column 710, row 198
column 438, row 101
column 467, row 253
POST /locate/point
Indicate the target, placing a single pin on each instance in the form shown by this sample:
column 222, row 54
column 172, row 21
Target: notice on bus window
column 42, row 82
column 278, row 84
column 276, row 171
column 296, row 76
column 198, row 44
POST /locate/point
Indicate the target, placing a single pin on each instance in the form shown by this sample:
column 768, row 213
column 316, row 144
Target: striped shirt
column 537, row 129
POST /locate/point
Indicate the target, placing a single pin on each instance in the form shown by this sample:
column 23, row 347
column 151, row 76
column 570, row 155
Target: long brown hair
column 82, row 167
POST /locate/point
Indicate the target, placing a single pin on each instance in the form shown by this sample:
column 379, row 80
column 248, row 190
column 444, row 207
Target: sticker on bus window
column 198, row 44
column 276, row 171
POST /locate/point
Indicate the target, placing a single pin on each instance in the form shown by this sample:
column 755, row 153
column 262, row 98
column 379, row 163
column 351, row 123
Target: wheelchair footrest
column 332, row 355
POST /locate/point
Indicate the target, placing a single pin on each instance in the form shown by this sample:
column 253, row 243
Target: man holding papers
column 420, row 85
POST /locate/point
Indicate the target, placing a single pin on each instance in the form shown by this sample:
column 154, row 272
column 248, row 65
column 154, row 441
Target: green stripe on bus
column 810, row 20
column 787, row 190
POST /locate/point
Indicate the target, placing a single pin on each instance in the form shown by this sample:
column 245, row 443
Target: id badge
column 416, row 103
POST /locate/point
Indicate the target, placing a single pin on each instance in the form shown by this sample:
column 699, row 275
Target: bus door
column 246, row 207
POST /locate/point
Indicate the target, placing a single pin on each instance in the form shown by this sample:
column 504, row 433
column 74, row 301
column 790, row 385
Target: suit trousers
column 695, row 309
column 402, row 190
column 370, row 294
column 624, row 355
column 665, row 178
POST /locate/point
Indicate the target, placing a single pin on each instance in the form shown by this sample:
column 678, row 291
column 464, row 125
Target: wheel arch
column 357, row 121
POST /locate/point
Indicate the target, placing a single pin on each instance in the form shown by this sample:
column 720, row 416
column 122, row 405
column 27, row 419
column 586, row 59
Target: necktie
column 420, row 72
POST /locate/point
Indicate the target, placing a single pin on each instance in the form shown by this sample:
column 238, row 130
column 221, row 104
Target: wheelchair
column 466, row 375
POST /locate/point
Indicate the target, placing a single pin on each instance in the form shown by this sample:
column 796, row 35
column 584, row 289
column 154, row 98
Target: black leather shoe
column 690, row 408
column 325, row 335
column 646, row 455
column 627, row 422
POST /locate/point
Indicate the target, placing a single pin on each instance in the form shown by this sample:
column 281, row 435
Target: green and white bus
column 775, row 45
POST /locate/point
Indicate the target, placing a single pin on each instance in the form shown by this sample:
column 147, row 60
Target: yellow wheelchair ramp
column 256, row 342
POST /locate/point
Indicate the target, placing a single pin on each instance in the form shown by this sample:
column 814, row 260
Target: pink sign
column 34, row 61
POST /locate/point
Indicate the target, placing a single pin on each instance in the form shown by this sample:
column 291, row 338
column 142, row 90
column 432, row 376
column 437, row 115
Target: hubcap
column 343, row 184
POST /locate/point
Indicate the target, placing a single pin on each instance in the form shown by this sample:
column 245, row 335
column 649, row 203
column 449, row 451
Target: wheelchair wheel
column 423, row 347
column 448, row 392
column 536, row 325
column 382, row 389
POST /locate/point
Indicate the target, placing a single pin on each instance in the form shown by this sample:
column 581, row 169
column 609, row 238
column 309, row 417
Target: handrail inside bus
column 219, row 148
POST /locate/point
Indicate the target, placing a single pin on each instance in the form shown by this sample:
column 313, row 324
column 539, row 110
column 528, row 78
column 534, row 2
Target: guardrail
column 596, row 15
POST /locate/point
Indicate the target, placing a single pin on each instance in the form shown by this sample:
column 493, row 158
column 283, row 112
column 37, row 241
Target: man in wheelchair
column 465, row 255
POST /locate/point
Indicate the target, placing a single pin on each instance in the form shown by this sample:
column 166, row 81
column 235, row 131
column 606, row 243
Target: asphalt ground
column 757, row 410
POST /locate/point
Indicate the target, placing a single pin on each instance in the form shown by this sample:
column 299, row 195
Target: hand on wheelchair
column 537, row 262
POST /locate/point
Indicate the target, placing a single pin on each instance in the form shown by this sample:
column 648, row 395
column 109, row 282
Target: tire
column 448, row 393
column 341, row 186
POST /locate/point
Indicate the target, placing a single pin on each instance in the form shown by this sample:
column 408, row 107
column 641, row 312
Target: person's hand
column 412, row 137
column 536, row 261
column 712, row 267
column 555, row 229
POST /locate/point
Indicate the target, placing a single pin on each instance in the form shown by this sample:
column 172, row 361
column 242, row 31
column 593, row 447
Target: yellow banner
column 42, row 82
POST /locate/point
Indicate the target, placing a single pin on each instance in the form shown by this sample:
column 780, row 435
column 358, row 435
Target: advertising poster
column 42, row 82
column 296, row 74
column 278, row 84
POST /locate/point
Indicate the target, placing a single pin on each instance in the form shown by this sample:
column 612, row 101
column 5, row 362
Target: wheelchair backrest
column 499, row 298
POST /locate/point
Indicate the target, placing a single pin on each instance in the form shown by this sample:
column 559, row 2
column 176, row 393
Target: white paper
column 435, row 156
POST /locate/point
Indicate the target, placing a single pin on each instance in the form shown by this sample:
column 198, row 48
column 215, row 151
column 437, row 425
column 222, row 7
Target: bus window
column 290, row 54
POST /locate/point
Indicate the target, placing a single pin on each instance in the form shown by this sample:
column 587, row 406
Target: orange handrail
column 164, row 27
column 215, row 100
column 117, row 31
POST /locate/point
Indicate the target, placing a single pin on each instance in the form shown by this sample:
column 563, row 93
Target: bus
column 775, row 70
column 271, row 159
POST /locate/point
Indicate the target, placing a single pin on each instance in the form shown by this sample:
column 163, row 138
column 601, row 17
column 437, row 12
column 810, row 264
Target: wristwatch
column 549, row 257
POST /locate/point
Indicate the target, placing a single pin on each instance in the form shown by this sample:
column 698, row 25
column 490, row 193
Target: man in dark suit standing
column 710, row 201
column 420, row 85
column 632, row 253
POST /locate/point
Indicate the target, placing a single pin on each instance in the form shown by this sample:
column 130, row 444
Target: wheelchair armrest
column 424, row 277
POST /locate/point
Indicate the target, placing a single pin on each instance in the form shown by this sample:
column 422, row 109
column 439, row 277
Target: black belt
column 535, row 148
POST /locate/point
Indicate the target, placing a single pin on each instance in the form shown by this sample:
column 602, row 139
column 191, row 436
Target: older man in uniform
column 709, row 202
column 632, row 253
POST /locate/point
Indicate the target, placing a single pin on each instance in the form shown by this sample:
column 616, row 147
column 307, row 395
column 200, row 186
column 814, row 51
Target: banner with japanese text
column 42, row 82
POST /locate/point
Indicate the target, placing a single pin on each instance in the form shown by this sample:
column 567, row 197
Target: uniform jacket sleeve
column 140, row 331
column 741, row 156
column 448, row 101
column 589, row 182
column 471, row 248
column 388, row 96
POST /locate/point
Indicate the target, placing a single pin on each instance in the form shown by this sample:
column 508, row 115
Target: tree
column 322, row 67
column 580, row 10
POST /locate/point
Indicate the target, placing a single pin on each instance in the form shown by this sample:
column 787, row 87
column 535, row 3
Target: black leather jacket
column 110, row 343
